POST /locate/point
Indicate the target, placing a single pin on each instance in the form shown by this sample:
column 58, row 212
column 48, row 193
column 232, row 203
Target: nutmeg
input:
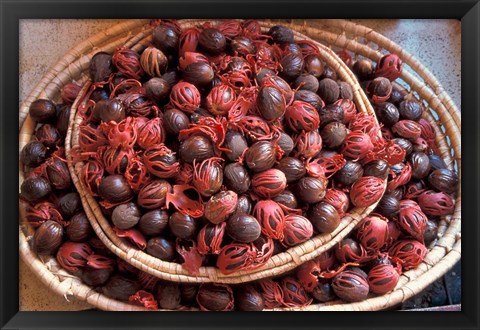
column 79, row 228
column 126, row 216
column 324, row 217
column 48, row 238
column 243, row 228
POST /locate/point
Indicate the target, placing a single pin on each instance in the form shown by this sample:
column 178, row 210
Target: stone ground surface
column 435, row 43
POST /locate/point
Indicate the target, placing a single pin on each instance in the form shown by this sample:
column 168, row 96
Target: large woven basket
column 441, row 113
column 279, row 263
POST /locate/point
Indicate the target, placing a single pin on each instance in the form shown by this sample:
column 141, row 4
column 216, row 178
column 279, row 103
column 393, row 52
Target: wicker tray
column 442, row 114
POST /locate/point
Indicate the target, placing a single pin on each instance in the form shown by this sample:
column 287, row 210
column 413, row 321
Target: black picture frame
column 468, row 11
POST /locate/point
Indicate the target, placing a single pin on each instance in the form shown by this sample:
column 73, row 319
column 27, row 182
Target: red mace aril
column 191, row 57
column 161, row 161
column 357, row 145
column 133, row 235
column 281, row 85
column 394, row 233
column 383, row 278
column 116, row 159
column 192, row 260
column 137, row 174
column 210, row 238
column 188, row 41
column 349, row 250
column 90, row 138
column 70, row 92
column 137, row 104
column 234, row 257
column 123, row 134
column 208, row 176
column 307, row 275
column 91, row 175
column 436, row 203
column 56, row 171
column 263, row 248
column 145, row 299
column 307, row 144
column 389, row 66
column 412, row 220
column 272, row 293
column 298, row 229
column 73, row 256
column 230, row 29
column 338, row 199
column 302, row 116
column 153, row 132
column 326, row 260
column 269, row 183
column 127, row 62
column 186, row 200
column 367, row 124
column 400, row 179
column 185, row 96
column 185, row 174
column 154, row 194
column 220, row 206
column 409, row 253
column 220, row 99
column 97, row 261
column 42, row 212
column 349, row 109
column 367, row 191
column 293, row 293
column 271, row 218
column 407, row 129
column 345, row 57
column 373, row 232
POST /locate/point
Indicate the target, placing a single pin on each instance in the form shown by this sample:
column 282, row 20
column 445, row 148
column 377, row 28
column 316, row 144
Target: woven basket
column 279, row 263
column 442, row 114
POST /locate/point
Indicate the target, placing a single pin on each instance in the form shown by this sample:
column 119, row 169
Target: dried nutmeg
column 212, row 41
column 328, row 90
column 243, row 228
column 420, row 165
column 410, row 109
column 236, row 178
column 174, row 121
column 96, row 277
column 310, row 98
column 306, row 82
column 153, row 222
column 260, row 156
column 196, row 147
column 42, row 110
column 291, row 66
column 293, row 168
column 161, row 248
column 210, row 237
column 100, row 67
column 156, row 89
column 126, row 216
column 270, row 103
column 324, row 217
column 404, row 144
column 168, row 295
column 220, row 206
column 431, row 232
column 33, row 154
column 57, row 173
column 349, row 173
column 310, row 190
column 215, row 297
column 387, row 113
column 444, row 180
column 333, row 134
column 79, row 228
column 281, row 34
column 323, row 292
column 388, row 206
column 248, row 298
column 236, row 143
column 115, row 189
column 298, row 229
column 120, row 288
column 287, row 199
column 161, row 161
column 363, row 69
column 338, row 199
column 437, row 162
column 244, row 206
column 48, row 238
column 69, row 204
column 166, row 37
column 35, row 188
column 350, row 286
column 378, row 168
column 154, row 194
column 182, row 225
column 308, row 144
column 220, row 99
column 407, row 129
column 198, row 73
column 379, row 90
column 243, row 46
column 109, row 110
column 314, row 65
column 153, row 61
column 285, row 142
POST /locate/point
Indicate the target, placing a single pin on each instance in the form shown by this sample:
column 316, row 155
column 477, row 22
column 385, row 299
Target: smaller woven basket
column 279, row 263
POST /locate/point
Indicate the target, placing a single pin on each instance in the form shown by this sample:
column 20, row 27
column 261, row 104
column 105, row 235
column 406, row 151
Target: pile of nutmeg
column 223, row 146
